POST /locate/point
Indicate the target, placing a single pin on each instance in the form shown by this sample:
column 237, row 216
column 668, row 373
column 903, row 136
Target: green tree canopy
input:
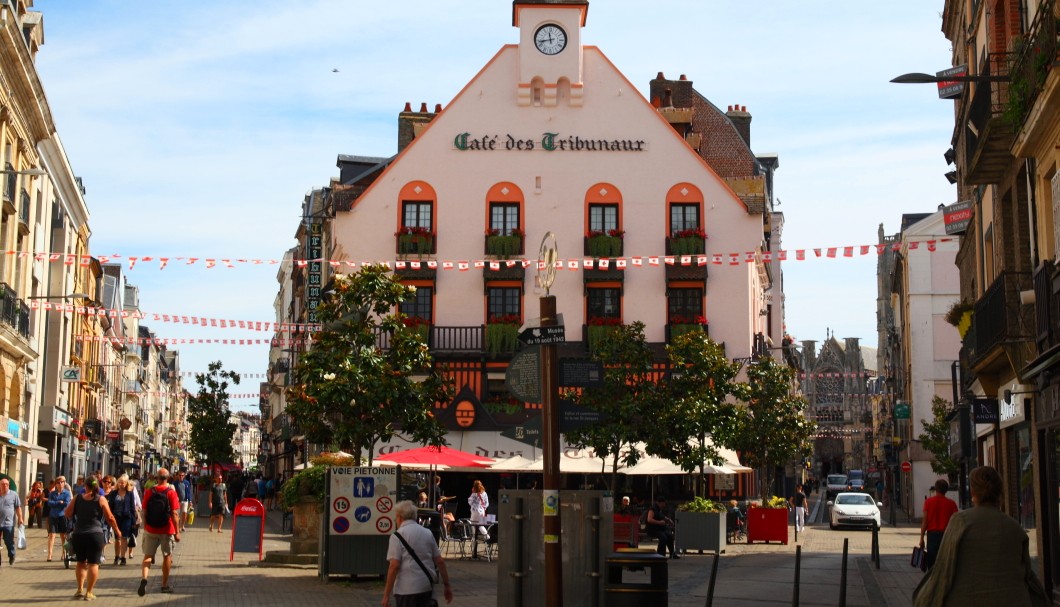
column 210, row 417
column 936, row 438
column 771, row 429
column 348, row 391
column 627, row 399
column 698, row 412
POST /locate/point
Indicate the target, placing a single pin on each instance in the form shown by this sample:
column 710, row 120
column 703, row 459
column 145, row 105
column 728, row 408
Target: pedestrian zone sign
column 361, row 500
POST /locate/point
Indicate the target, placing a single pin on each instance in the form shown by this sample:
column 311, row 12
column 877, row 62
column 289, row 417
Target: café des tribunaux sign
column 549, row 142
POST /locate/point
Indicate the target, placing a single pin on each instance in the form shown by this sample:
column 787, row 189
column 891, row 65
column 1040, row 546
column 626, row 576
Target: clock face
column 550, row 39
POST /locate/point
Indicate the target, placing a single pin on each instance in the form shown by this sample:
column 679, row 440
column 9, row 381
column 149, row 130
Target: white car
column 854, row 509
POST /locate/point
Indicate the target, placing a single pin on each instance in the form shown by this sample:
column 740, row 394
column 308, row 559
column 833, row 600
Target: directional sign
column 529, row 432
column 523, row 377
column 901, row 411
column 575, row 373
column 533, row 336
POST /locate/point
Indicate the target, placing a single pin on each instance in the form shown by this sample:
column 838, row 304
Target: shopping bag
column 21, row 537
column 191, row 516
column 918, row 559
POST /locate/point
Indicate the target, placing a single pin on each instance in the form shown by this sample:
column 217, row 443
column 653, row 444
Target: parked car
column 835, row 484
column 854, row 509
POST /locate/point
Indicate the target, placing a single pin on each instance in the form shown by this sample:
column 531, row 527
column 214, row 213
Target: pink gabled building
column 550, row 137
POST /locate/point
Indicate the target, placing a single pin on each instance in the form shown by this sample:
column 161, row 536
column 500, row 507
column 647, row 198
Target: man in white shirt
column 410, row 584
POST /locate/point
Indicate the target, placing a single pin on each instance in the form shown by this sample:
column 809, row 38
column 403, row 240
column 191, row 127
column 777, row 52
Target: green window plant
column 701, row 504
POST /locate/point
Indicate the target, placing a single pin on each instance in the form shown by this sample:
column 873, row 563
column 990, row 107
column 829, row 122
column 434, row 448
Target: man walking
column 801, row 503
column 937, row 512
column 161, row 529
column 415, row 563
column 661, row 527
column 183, row 487
column 10, row 514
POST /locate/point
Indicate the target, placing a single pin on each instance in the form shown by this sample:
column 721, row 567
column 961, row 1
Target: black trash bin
column 636, row 579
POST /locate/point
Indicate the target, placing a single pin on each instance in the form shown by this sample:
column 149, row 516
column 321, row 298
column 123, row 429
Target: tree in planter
column 771, row 428
column 208, row 414
column 627, row 399
column 699, row 411
column 350, row 393
column 936, row 439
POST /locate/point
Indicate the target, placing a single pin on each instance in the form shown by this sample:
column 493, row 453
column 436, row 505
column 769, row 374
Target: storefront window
column 1026, row 477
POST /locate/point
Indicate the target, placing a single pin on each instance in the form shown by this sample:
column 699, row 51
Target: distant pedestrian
column 661, row 527
column 10, row 516
column 479, row 502
column 123, row 506
column 415, row 563
column 161, row 529
column 938, row 509
column 801, row 503
column 58, row 499
column 218, row 503
column 183, row 487
column 35, row 502
column 984, row 558
column 87, row 510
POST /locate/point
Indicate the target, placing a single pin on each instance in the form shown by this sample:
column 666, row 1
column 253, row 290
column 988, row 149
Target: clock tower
column 550, row 51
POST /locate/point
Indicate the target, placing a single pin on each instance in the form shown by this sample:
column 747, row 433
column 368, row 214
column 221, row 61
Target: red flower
column 616, row 233
column 492, row 232
column 503, row 319
column 605, row 321
column 690, row 233
column 594, row 233
column 414, row 321
column 516, row 232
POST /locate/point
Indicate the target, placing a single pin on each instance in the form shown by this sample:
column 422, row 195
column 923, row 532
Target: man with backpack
column 161, row 516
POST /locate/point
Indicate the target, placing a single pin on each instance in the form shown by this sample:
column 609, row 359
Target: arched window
column 684, row 208
column 603, row 221
column 504, row 220
column 416, row 233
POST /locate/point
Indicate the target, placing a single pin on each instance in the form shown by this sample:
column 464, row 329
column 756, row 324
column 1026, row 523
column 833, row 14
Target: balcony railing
column 603, row 245
column 504, row 246
column 10, row 182
column 1046, row 298
column 1036, row 55
column 415, row 244
column 444, row 339
column 676, row 330
column 685, row 245
column 1000, row 318
column 989, row 136
column 13, row 311
column 23, row 211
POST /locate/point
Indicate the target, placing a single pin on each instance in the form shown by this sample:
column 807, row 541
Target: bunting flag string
column 837, row 374
column 173, row 341
column 250, row 325
column 242, row 376
column 164, row 393
column 732, row 259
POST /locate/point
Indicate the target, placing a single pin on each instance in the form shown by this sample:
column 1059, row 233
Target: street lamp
column 919, row 78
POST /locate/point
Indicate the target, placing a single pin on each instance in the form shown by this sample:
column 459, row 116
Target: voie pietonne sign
column 362, row 500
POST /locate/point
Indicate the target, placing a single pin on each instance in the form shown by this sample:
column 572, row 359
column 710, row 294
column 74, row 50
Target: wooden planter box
column 767, row 525
column 700, row 531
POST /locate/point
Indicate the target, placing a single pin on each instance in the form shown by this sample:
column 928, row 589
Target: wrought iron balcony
column 1000, row 320
column 1036, row 55
column 988, row 136
column 444, row 339
column 13, row 311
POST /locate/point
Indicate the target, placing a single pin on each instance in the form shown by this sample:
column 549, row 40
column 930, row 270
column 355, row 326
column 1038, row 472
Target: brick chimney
column 741, row 120
column 411, row 123
column 680, row 89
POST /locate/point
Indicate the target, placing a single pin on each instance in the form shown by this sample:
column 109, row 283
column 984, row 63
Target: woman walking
column 218, row 503
column 479, row 501
column 58, row 499
column 122, row 504
column 87, row 510
column 35, row 501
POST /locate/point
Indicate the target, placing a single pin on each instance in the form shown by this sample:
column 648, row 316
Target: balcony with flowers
column 690, row 241
column 420, row 325
column 502, row 334
column 604, row 243
column 680, row 325
column 415, row 241
column 504, row 244
column 598, row 328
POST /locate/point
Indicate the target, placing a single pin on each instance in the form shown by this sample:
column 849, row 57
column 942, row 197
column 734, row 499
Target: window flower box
column 504, row 245
column 415, row 241
column 604, row 244
column 502, row 335
column 599, row 328
column 421, row 326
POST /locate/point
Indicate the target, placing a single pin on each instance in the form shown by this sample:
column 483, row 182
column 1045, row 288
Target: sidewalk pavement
column 203, row 575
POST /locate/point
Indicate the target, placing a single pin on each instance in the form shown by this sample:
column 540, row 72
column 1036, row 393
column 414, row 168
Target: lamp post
column 921, row 78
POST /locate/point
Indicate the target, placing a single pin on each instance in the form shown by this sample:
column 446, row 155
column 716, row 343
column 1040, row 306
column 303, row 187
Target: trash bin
column 635, row 579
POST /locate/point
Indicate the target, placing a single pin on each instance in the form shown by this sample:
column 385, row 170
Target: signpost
column 575, row 373
column 535, row 336
column 573, row 417
column 528, row 433
column 907, row 466
column 901, row 411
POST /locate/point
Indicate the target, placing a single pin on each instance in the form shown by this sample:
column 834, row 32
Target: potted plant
column 701, row 525
column 960, row 316
column 414, row 240
column 303, row 494
column 679, row 325
column 687, row 242
column 768, row 522
column 504, row 245
column 605, row 244
column 418, row 324
column 502, row 334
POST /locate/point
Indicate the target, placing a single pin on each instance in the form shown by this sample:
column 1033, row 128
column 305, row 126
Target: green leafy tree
column 627, row 399
column 210, row 417
column 699, row 411
column 350, row 393
column 771, row 429
column 936, row 439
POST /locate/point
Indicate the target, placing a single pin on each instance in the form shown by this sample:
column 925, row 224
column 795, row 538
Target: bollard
column 843, row 575
column 876, row 545
column 798, row 570
column 713, row 579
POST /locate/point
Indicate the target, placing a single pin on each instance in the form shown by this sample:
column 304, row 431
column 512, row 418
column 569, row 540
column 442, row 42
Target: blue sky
column 198, row 127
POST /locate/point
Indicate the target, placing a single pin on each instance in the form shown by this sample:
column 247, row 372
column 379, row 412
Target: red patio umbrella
column 437, row 457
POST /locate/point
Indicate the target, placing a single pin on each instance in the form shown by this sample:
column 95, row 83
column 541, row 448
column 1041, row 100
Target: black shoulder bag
column 415, row 557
